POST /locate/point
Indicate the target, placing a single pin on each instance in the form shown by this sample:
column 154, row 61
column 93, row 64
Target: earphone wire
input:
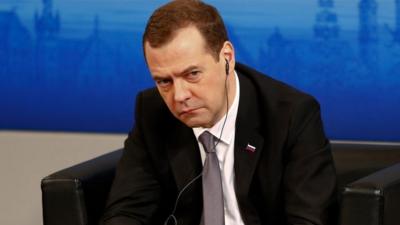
column 226, row 114
column 172, row 215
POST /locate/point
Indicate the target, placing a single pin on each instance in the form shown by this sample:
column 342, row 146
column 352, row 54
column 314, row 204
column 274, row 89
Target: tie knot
column 207, row 140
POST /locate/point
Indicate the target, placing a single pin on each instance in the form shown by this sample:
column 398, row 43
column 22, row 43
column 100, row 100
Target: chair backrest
column 77, row 195
column 369, row 194
column 354, row 160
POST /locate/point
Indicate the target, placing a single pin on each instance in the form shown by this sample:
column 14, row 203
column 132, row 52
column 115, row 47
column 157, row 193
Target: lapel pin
column 250, row 148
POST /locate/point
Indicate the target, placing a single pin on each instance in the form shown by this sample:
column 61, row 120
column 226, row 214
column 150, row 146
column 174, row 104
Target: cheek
column 214, row 98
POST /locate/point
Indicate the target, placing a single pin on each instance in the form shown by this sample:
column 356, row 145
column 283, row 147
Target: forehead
column 186, row 45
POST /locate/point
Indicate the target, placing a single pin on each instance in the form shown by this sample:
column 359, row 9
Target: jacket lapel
column 184, row 155
column 248, row 141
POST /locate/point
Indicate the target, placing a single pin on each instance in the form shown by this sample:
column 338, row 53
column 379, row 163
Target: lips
column 187, row 111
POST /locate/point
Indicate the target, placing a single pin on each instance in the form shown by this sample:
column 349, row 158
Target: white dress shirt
column 225, row 154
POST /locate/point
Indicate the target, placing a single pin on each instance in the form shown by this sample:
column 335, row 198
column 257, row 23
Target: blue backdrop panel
column 70, row 65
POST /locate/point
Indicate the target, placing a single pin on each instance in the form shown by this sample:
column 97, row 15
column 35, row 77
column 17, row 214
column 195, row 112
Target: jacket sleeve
column 309, row 177
column 135, row 192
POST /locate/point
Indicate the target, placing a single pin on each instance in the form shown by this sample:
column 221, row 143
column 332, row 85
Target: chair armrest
column 373, row 200
column 77, row 195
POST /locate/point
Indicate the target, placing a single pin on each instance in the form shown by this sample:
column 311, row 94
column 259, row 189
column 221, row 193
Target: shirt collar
column 229, row 128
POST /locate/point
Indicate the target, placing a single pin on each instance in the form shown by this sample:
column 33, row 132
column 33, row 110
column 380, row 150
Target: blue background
column 76, row 65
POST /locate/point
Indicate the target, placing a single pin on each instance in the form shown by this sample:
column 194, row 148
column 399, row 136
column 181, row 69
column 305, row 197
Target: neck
column 230, row 84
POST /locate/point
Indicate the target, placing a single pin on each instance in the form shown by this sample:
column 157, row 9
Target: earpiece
column 227, row 67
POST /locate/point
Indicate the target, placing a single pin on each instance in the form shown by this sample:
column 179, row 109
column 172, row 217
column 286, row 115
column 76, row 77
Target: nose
column 182, row 92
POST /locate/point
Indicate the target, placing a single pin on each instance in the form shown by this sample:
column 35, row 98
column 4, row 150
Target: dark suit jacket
column 289, row 179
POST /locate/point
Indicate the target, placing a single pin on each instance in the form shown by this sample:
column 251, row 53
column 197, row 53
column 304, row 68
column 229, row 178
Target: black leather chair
column 368, row 179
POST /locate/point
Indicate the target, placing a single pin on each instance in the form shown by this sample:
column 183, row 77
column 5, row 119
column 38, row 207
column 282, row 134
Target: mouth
column 187, row 111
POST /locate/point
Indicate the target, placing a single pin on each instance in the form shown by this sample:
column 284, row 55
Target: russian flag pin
column 250, row 148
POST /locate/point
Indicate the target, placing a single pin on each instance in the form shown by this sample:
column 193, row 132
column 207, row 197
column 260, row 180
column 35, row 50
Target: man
column 273, row 160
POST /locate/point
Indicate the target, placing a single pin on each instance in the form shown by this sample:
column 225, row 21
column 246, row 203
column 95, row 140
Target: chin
column 192, row 123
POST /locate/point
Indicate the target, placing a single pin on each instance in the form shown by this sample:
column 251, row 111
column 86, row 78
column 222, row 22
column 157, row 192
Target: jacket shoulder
column 270, row 89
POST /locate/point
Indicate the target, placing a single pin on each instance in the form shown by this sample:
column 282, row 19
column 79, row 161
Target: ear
column 228, row 54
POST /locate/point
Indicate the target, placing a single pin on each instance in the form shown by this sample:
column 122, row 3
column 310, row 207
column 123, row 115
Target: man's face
column 189, row 79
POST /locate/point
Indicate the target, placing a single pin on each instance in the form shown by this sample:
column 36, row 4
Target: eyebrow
column 187, row 70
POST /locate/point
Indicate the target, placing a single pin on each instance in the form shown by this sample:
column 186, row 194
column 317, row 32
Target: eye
column 193, row 75
column 163, row 83
column 194, row 72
